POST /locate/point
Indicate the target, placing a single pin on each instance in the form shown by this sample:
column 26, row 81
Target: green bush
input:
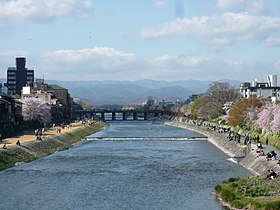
column 240, row 204
column 218, row 188
column 228, row 194
column 271, row 205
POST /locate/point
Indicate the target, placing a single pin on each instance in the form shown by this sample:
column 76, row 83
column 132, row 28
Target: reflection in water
column 122, row 174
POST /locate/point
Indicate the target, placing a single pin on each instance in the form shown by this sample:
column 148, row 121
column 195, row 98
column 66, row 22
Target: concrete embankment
column 37, row 149
column 229, row 147
column 259, row 165
column 251, row 160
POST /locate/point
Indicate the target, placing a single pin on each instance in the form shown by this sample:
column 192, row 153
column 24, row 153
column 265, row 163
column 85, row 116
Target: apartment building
column 18, row 77
column 265, row 90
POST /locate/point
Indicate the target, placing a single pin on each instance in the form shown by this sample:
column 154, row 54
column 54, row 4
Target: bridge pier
column 113, row 115
column 134, row 115
column 125, row 113
column 103, row 116
column 124, row 116
column 145, row 116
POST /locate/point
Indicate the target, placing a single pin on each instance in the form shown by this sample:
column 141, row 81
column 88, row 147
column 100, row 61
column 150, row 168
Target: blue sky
column 142, row 39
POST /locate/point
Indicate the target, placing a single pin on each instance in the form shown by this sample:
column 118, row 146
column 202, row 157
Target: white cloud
column 41, row 10
column 227, row 5
column 103, row 63
column 160, row 4
column 107, row 58
column 249, row 6
column 218, row 30
column 272, row 42
column 86, row 63
column 183, row 61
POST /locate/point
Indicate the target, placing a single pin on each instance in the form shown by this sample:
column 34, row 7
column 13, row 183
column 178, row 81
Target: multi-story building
column 10, row 111
column 18, row 77
column 264, row 90
column 56, row 96
column 64, row 99
column 60, row 93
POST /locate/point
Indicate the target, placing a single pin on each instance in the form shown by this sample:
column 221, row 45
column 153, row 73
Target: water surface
column 122, row 174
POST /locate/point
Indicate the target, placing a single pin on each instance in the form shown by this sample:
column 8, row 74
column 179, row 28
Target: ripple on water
column 121, row 175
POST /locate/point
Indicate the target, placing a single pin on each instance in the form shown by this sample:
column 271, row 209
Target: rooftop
column 55, row 87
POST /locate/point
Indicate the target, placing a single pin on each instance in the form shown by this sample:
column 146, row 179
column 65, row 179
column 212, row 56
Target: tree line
column 223, row 102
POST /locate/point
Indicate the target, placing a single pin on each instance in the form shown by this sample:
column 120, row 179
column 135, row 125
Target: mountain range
column 133, row 92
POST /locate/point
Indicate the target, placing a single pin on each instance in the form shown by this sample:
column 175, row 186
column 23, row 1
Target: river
column 122, row 174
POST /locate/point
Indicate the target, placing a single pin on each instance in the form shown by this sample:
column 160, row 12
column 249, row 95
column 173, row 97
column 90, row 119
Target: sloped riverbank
column 250, row 160
column 38, row 149
column 255, row 192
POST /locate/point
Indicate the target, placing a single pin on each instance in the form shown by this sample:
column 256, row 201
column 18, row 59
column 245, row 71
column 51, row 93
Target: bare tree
column 217, row 95
column 150, row 101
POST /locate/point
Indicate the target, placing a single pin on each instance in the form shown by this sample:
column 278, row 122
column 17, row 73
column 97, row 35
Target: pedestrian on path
column 266, row 141
column 18, row 143
column 4, row 146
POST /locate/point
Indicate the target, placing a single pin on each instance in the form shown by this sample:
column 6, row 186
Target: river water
column 122, row 174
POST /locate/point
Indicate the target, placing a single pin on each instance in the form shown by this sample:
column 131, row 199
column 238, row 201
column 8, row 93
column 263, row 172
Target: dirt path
column 28, row 137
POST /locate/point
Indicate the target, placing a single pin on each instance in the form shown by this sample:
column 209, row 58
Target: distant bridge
column 135, row 114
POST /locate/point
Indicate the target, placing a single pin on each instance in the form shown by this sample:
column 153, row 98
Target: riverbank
column 35, row 149
column 255, row 192
column 257, row 165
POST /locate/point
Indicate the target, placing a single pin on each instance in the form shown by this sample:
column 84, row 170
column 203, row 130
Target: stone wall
column 37, row 149
column 256, row 165
column 259, row 165
column 231, row 148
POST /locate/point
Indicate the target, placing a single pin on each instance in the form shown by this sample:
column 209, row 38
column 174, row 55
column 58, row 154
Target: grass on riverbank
column 38, row 149
column 250, row 193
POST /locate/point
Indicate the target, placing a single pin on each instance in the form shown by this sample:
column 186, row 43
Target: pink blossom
column 36, row 109
column 275, row 123
column 251, row 114
column 266, row 116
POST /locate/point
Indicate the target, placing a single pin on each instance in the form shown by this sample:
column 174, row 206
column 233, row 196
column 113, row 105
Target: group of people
column 271, row 155
column 248, row 139
column 5, row 145
column 59, row 128
column 234, row 137
column 38, row 133
column 271, row 174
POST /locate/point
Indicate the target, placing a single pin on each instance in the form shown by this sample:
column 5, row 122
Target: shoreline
column 258, row 166
column 37, row 149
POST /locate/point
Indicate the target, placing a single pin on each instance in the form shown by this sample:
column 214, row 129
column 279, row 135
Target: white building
column 263, row 90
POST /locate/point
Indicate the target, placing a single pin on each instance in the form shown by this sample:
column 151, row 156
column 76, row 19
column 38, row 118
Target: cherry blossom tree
column 35, row 109
column 227, row 106
column 252, row 114
column 266, row 116
column 275, row 123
